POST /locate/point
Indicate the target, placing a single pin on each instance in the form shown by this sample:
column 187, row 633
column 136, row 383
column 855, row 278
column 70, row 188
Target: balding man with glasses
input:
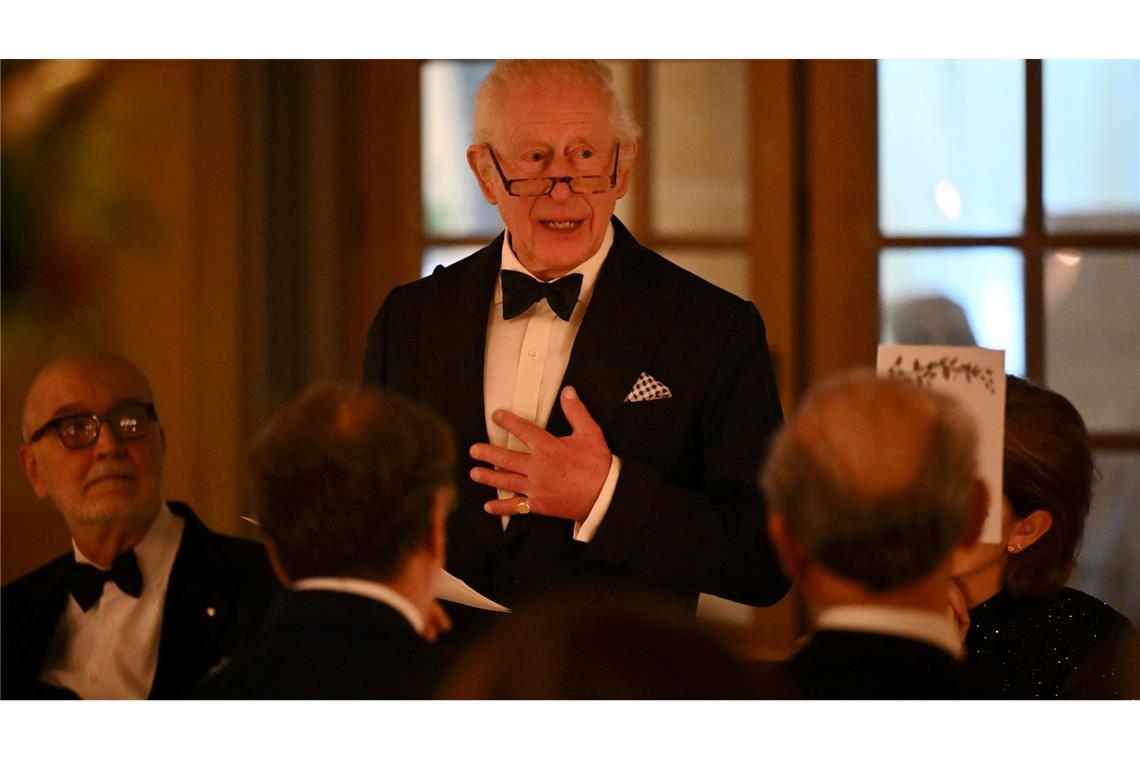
column 148, row 600
column 615, row 408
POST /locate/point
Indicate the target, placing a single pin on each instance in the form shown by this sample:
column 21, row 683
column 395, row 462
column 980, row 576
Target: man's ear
column 437, row 534
column 790, row 556
column 282, row 576
column 625, row 167
column 480, row 162
column 980, row 505
column 1027, row 530
column 30, row 467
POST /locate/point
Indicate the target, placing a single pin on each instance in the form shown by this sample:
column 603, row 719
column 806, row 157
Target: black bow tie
column 87, row 581
column 521, row 291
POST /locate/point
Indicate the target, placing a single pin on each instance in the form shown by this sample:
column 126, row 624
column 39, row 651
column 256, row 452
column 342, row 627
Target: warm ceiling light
column 1070, row 257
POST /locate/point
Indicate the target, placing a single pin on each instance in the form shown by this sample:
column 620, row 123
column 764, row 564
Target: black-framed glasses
column 534, row 186
column 128, row 422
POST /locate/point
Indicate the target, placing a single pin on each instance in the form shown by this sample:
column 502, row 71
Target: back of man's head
column 345, row 481
column 875, row 479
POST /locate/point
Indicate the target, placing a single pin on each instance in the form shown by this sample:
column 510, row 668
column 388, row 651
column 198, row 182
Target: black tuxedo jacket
column 857, row 665
column 328, row 645
column 230, row 576
column 687, row 515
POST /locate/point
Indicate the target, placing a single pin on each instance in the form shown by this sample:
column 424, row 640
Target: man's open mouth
column 561, row 225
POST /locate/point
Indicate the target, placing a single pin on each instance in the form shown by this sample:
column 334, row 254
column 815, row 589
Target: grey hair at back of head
column 344, row 480
column 916, row 448
column 508, row 75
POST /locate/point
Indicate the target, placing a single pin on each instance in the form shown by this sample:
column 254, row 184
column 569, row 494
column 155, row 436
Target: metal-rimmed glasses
column 128, row 421
column 531, row 187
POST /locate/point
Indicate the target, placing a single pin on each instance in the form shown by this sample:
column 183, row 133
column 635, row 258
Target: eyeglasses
column 535, row 186
column 129, row 422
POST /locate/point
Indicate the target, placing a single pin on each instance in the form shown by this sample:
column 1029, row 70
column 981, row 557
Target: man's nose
column 561, row 191
column 107, row 443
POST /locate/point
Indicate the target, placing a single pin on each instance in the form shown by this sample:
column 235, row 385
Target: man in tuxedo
column 615, row 406
column 149, row 599
column 871, row 487
column 352, row 489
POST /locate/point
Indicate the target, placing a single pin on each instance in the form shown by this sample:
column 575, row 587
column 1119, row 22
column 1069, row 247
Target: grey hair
column 507, row 75
column 344, row 480
column 883, row 513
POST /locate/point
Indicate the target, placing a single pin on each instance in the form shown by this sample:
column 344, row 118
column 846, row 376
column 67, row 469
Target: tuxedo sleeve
column 708, row 534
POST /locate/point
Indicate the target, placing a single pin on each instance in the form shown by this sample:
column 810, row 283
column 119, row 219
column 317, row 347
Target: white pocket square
column 648, row 388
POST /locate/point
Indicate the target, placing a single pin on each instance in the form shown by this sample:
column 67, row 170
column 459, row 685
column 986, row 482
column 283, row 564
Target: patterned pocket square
column 648, row 388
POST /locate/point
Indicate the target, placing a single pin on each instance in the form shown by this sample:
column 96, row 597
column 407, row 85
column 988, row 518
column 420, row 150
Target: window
column 1009, row 217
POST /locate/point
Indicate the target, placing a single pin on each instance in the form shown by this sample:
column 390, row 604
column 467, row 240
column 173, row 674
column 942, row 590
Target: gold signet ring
column 523, row 507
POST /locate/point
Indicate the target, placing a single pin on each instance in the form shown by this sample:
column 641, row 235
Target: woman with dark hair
column 1029, row 635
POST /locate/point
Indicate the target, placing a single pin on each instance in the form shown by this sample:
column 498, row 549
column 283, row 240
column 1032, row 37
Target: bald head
column 110, row 481
column 869, row 436
column 73, row 376
column 875, row 478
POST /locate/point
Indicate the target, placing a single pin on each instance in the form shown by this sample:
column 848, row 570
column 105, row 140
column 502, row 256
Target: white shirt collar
column 370, row 589
column 926, row 626
column 588, row 269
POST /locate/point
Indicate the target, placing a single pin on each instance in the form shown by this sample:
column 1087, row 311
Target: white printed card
column 975, row 377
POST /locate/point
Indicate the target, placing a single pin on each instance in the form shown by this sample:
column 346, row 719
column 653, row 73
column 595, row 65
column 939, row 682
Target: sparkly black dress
column 1068, row 645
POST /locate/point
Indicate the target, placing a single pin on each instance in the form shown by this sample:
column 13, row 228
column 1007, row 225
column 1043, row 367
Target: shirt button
column 533, row 354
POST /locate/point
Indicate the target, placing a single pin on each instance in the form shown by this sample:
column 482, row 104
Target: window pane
column 951, row 147
column 731, row 270
column 444, row 255
column 452, row 202
column 1092, row 145
column 1108, row 565
column 956, row 297
column 1092, row 334
column 699, row 162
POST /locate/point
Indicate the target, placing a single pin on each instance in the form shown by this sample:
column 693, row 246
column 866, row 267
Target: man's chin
column 111, row 508
column 558, row 257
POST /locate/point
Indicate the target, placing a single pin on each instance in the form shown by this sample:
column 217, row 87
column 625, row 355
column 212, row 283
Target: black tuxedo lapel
column 190, row 643
column 219, row 590
column 628, row 317
column 452, row 346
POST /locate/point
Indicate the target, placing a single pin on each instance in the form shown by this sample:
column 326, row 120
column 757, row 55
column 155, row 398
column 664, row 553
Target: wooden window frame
column 1033, row 244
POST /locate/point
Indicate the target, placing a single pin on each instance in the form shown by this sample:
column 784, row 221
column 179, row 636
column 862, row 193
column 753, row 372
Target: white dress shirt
column 524, row 362
column 928, row 627
column 370, row 589
column 111, row 651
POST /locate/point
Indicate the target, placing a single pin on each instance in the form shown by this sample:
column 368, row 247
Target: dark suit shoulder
column 219, row 591
column 456, row 274
column 33, row 582
column 232, row 553
column 859, row 665
column 30, row 607
column 662, row 273
column 328, row 645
